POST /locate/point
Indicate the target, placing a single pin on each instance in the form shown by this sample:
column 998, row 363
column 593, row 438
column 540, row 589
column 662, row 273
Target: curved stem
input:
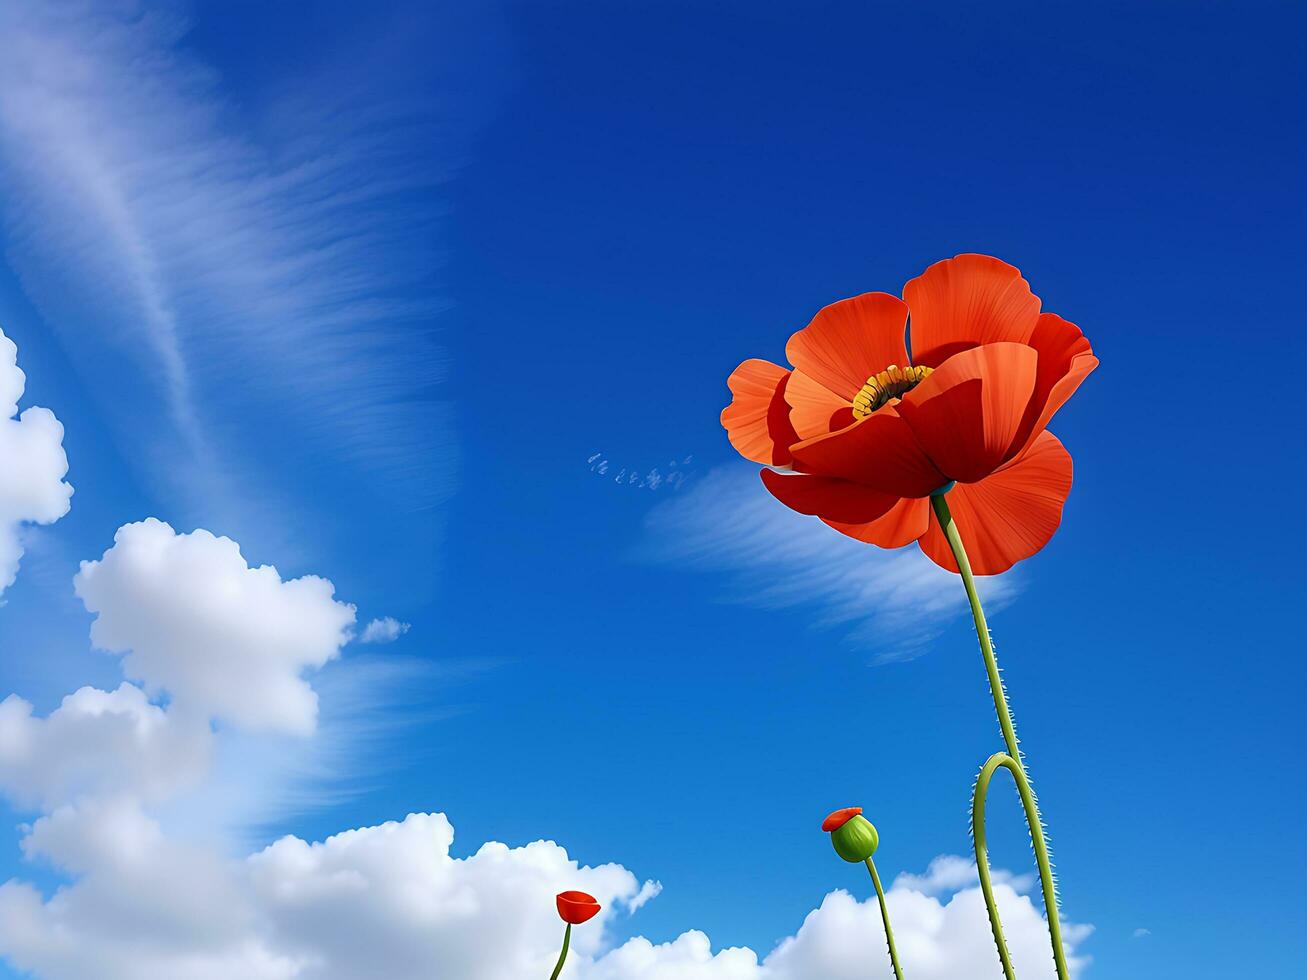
column 567, row 939
column 884, row 917
column 1012, row 761
column 1001, row 760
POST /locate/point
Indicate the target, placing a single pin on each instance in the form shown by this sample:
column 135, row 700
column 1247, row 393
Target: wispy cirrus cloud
column 199, row 254
column 893, row 602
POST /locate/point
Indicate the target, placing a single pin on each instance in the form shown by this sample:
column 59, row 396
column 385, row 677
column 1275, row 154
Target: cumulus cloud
column 949, row 873
column 390, row 900
column 937, row 938
column 32, row 486
column 385, row 901
column 225, row 640
column 894, row 602
column 689, row 956
column 143, row 906
column 387, row 629
column 98, row 742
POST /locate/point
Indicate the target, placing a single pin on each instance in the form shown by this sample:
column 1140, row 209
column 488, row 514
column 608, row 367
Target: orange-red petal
column 1009, row 515
column 901, row 524
column 838, row 500
column 966, row 301
column 967, row 415
column 1065, row 360
column 839, row 818
column 880, row 451
column 576, row 907
column 814, row 408
column 849, row 341
column 757, row 420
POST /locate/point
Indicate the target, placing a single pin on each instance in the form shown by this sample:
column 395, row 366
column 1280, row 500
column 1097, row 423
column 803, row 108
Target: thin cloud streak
column 280, row 260
column 259, row 783
column 893, row 602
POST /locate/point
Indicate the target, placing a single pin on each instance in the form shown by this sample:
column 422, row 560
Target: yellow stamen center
column 893, row 382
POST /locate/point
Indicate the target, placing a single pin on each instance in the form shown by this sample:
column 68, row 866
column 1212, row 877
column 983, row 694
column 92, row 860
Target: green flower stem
column 1012, row 761
column 567, row 939
column 884, row 916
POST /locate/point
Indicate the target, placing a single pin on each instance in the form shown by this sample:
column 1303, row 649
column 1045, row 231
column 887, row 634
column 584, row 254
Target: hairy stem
column 567, row 939
column 1012, row 761
column 884, row 917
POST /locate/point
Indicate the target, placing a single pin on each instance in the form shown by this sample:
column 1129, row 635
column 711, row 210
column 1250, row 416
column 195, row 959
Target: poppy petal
column 967, row 414
column 757, row 420
column 881, row 452
column 826, row 497
column 814, row 409
column 849, row 341
column 1065, row 360
column 966, row 301
column 1009, row 515
column 576, row 907
column 901, row 524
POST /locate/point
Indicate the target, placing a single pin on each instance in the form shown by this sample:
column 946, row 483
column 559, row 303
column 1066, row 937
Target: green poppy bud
column 852, row 834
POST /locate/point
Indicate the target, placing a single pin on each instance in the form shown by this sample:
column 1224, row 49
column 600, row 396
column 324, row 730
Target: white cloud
column 1141, row 933
column 892, row 602
column 387, row 629
column 844, row 939
column 648, row 892
column 390, row 900
column 385, row 901
column 688, row 957
column 32, row 487
column 223, row 639
column 937, row 939
column 98, row 742
column 950, row 873
column 143, row 906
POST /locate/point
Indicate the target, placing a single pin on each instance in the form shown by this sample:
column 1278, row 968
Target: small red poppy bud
column 851, row 834
column 577, row 907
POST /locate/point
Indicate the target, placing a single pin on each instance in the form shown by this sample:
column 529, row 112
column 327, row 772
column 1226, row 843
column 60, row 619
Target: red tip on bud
column 839, row 818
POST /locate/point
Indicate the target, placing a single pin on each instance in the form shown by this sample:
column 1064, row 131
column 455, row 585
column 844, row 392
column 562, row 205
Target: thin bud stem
column 884, row 916
column 567, row 939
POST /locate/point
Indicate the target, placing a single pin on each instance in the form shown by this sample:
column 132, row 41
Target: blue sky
column 375, row 289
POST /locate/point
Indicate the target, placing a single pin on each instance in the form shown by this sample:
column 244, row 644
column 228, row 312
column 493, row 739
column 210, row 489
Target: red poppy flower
column 839, row 818
column 577, row 907
column 870, row 432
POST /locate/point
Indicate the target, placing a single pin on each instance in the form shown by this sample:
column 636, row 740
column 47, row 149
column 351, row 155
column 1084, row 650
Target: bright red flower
column 839, row 818
column 577, row 907
column 870, row 432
